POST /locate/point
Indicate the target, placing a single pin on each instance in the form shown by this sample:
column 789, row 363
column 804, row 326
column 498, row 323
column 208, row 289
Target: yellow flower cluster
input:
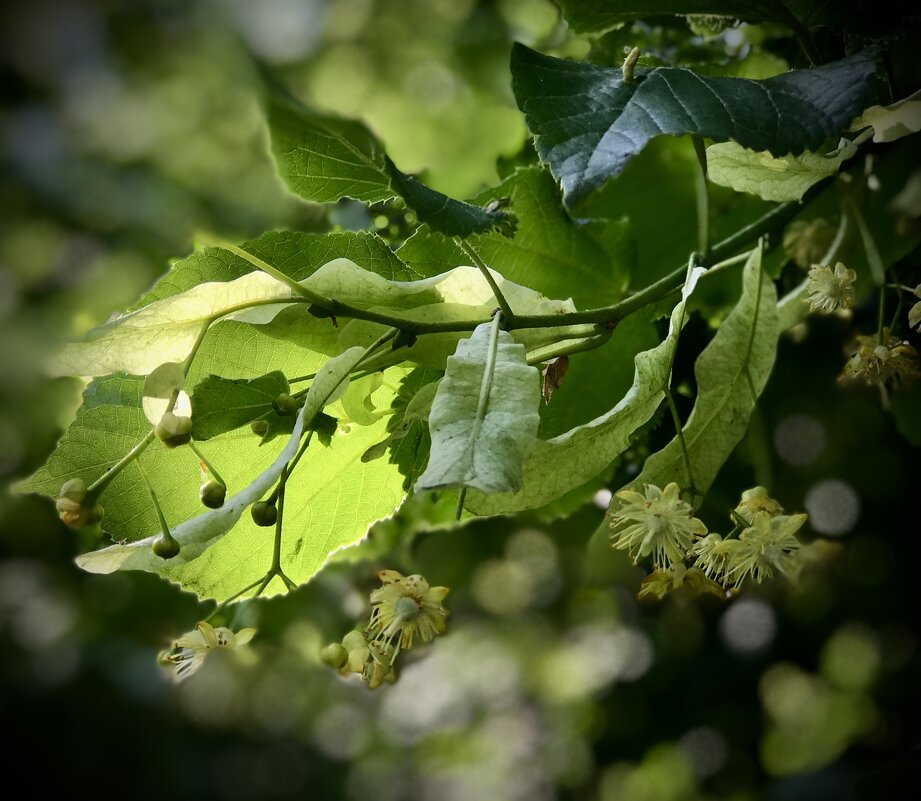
column 404, row 609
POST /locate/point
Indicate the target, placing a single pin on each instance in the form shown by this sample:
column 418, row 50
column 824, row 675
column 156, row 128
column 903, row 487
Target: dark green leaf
column 223, row 404
column 590, row 262
column 592, row 16
column 450, row 217
column 588, row 123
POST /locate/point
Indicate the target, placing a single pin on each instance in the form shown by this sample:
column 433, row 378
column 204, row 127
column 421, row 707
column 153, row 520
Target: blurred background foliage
column 128, row 127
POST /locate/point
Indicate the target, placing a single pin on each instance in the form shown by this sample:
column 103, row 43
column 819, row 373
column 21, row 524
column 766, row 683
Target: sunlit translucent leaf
column 588, row 123
column 483, row 447
column 731, row 372
column 563, row 463
column 892, row 122
column 223, row 404
column 323, row 158
column 592, row 16
column 769, row 177
column 295, row 254
column 589, row 262
column 166, row 330
column 332, row 500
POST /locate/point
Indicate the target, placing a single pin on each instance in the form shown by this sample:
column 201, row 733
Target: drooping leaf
column 593, row 16
column 446, row 215
column 323, row 158
column 296, row 254
column 590, row 262
column 892, row 122
column 166, row 330
column 332, row 500
column 223, row 404
column 731, row 372
column 588, row 122
column 483, row 446
column 558, row 465
column 769, row 177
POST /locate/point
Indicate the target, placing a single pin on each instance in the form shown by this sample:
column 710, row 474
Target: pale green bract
column 731, row 373
column 770, row 177
column 483, row 448
column 166, row 330
column 563, row 463
column 892, row 122
column 314, row 493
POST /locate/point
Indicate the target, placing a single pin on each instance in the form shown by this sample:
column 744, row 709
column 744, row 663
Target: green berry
column 264, row 513
column 259, row 427
column 165, row 547
column 285, row 405
column 173, row 430
column 212, row 494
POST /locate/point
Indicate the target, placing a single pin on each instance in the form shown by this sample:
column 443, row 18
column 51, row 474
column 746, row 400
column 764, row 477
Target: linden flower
column 829, row 290
column 757, row 500
column 407, row 606
column 767, row 547
column 188, row 652
column 889, row 362
column 657, row 523
column 371, row 660
column 715, row 556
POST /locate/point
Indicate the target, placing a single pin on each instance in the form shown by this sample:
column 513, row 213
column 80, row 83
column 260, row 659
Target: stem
column 882, row 313
column 471, row 253
column 98, row 486
column 461, row 497
column 163, row 525
column 568, row 346
column 701, row 196
column 229, row 600
column 679, row 431
column 836, row 243
column 277, row 274
column 200, row 455
column 727, row 263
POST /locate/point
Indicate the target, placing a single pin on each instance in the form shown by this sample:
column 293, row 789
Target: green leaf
column 731, row 373
column 297, row 255
column 484, row 416
column 558, row 465
column 446, row 215
column 593, row 16
column 892, row 122
column 769, row 177
column 323, row 158
column 223, row 404
column 590, row 262
column 332, row 499
column 588, row 123
column 166, row 330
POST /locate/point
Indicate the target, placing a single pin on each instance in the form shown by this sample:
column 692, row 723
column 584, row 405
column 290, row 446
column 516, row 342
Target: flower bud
column 264, row 513
column 173, row 430
column 259, row 427
column 212, row 494
column 334, row 655
column 73, row 490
